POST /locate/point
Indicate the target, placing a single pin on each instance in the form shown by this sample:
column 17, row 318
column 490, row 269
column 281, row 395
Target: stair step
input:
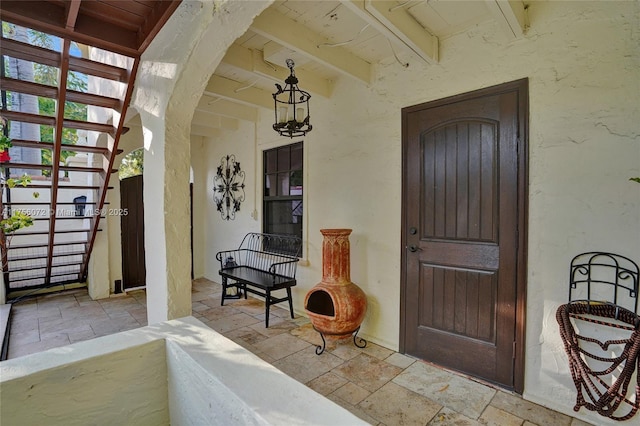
column 27, row 246
column 65, row 231
column 46, row 203
column 41, row 186
column 68, row 217
column 32, row 267
column 50, row 167
column 41, row 277
column 65, row 147
column 44, row 256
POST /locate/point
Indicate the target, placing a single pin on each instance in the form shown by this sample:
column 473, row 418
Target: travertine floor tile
column 281, row 345
column 217, row 312
column 452, row 391
column 352, row 393
column 307, row 333
column 535, row 413
column 304, row 365
column 367, row 372
column 493, row 416
column 24, row 324
column 355, row 409
column 277, row 326
column 395, row 405
column 24, row 337
column 30, row 348
column 233, row 322
column 576, row 422
column 376, row 351
column 326, row 383
column 246, row 334
column 249, row 306
column 448, row 417
column 400, row 360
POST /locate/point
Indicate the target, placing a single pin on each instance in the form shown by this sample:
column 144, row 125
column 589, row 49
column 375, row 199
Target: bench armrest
column 222, row 257
column 286, row 268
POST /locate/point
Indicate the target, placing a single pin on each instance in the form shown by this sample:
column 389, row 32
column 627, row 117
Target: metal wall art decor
column 291, row 107
column 228, row 187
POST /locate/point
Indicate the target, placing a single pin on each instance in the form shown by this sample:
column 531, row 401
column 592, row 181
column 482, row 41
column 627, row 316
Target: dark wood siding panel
column 132, row 227
column 489, row 192
column 462, row 188
column 459, row 301
column 428, row 148
column 462, row 202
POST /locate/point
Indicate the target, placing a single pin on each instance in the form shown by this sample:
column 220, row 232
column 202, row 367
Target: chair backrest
column 604, row 277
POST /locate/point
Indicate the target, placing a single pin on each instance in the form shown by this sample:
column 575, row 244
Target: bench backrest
column 278, row 254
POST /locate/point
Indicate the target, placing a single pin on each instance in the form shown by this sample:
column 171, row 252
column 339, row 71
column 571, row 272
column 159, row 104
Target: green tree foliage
column 132, row 164
column 45, row 74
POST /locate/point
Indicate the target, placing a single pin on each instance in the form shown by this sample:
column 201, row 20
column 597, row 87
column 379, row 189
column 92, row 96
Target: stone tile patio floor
column 378, row 385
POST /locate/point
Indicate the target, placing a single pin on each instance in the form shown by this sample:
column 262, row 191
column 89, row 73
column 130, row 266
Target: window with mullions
column 282, row 196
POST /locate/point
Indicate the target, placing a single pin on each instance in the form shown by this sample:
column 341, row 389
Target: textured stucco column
column 98, row 271
column 173, row 74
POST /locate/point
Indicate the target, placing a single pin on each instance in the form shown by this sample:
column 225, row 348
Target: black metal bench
column 262, row 264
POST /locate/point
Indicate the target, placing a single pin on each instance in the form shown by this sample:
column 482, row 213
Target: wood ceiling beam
column 228, row 108
column 205, row 119
column 73, row 7
column 298, row 37
column 239, row 92
column 398, row 25
column 253, row 61
column 207, row 132
column 510, row 14
column 51, row 18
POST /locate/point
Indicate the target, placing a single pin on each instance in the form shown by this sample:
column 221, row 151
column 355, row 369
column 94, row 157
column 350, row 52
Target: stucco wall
column 117, row 387
column 223, row 234
column 174, row 71
column 199, row 165
column 582, row 61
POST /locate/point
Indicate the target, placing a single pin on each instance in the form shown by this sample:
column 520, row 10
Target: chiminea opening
column 320, row 302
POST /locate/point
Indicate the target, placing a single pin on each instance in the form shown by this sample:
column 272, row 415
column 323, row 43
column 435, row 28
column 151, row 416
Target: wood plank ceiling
column 70, row 194
column 336, row 39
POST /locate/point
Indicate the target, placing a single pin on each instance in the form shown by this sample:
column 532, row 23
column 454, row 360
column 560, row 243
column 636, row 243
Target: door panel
column 461, row 192
column 132, row 232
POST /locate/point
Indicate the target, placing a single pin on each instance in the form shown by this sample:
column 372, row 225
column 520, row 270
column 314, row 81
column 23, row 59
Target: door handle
column 414, row 249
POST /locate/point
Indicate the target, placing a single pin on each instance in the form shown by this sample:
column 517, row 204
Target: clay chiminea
column 336, row 306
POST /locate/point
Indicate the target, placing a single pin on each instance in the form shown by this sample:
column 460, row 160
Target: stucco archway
column 173, row 74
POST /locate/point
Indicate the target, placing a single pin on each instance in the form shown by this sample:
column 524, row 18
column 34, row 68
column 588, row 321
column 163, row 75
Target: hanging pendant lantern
column 291, row 107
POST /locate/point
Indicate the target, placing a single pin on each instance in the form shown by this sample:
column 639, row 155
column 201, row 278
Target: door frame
column 521, row 87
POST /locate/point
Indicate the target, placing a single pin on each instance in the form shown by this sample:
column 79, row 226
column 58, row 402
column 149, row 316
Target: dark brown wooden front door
column 132, row 228
column 464, row 201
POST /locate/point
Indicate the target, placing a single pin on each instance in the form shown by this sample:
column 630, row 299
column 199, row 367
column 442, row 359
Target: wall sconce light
column 291, row 107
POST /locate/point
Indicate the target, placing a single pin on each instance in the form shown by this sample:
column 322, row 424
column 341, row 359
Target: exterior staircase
column 99, row 42
column 66, row 199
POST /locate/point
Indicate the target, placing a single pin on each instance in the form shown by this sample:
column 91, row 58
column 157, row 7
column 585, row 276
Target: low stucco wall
column 177, row 372
column 126, row 386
